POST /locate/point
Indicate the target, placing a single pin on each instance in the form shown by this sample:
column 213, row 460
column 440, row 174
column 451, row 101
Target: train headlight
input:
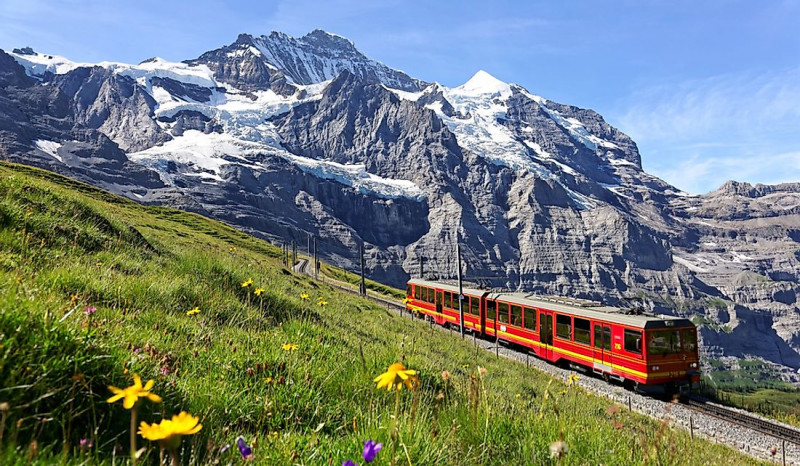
column 693, row 365
column 655, row 368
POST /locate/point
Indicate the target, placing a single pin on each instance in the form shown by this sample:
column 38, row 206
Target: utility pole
column 421, row 270
column 460, row 289
column 316, row 254
column 309, row 245
column 283, row 253
column 294, row 252
column 362, row 289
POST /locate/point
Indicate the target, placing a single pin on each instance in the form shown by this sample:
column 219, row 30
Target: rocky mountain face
column 293, row 137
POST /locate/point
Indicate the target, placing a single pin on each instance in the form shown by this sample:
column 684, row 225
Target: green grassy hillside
column 66, row 247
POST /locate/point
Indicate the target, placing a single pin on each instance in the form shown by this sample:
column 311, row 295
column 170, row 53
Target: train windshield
column 664, row 342
column 689, row 340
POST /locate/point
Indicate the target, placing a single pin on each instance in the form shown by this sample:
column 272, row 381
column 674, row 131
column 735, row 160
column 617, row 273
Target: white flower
column 558, row 449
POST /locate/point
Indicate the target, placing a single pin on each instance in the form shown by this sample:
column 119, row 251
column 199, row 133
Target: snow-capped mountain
column 286, row 137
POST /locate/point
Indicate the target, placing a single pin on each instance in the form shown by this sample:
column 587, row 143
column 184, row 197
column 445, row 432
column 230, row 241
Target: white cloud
column 689, row 109
column 699, row 174
column 697, row 134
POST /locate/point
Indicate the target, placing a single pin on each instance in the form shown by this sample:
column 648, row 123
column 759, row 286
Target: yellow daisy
column 169, row 431
column 396, row 376
column 194, row 311
column 258, row 291
column 289, row 347
column 249, row 282
column 573, row 379
column 132, row 394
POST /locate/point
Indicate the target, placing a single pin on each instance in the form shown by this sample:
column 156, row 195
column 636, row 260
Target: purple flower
column 246, row 452
column 85, row 443
column 349, row 463
column 371, row 449
column 90, row 310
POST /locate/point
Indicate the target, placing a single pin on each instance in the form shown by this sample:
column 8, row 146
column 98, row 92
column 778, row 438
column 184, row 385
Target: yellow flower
column 194, row 311
column 258, row 291
column 289, row 347
column 321, row 302
column 169, row 431
column 304, row 296
column 573, row 379
column 132, row 394
column 517, row 395
column 396, row 376
column 249, row 282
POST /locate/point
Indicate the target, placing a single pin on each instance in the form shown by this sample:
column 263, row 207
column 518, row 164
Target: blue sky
column 710, row 90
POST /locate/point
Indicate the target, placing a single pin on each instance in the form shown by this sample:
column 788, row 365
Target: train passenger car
column 655, row 353
column 440, row 302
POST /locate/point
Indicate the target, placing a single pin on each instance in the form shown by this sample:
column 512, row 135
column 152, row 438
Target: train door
column 546, row 333
column 482, row 312
column 439, row 317
column 602, row 348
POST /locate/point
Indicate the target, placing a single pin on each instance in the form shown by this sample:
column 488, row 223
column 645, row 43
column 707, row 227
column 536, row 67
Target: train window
column 408, row 290
column 582, row 331
column 633, row 341
column 448, row 300
column 430, row 295
column 564, row 326
column 416, row 291
column 689, row 340
column 438, row 298
column 491, row 310
column 530, row 319
column 516, row 315
column 663, row 342
column 602, row 337
column 474, row 305
column 502, row 312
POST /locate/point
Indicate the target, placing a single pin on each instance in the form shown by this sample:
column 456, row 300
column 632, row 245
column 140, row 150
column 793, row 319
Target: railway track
column 695, row 403
column 743, row 419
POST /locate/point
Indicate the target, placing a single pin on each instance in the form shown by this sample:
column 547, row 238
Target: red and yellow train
column 654, row 353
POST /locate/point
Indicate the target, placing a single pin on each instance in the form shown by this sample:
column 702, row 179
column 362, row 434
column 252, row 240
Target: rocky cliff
column 291, row 137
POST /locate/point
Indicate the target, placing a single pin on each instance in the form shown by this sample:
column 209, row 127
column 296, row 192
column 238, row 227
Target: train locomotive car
column 653, row 353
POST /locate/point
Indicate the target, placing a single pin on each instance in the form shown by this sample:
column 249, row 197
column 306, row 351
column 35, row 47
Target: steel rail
column 743, row 419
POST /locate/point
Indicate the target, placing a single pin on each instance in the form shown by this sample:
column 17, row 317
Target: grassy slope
column 65, row 246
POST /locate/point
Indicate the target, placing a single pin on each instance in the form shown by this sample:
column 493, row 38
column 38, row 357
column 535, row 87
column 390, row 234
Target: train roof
column 579, row 307
column 448, row 286
column 593, row 310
